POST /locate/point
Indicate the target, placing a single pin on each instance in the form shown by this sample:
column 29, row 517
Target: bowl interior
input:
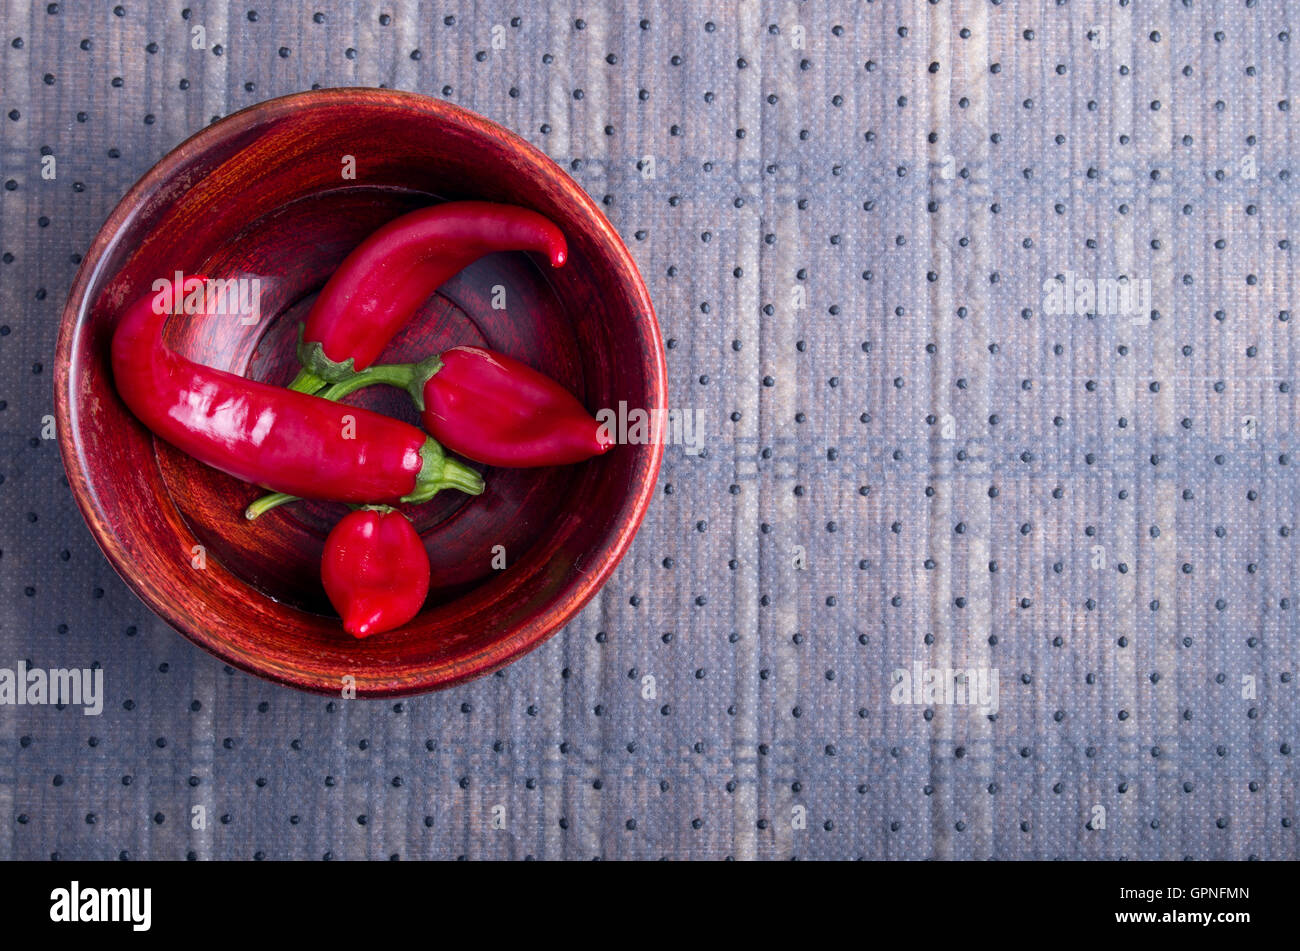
column 266, row 195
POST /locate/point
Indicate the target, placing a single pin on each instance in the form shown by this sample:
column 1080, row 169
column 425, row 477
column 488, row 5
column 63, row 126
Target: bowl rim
column 76, row 311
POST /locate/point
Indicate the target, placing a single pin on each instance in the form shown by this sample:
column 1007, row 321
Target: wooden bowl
column 263, row 194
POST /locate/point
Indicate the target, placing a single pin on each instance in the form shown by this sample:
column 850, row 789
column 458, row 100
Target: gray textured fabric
column 854, row 214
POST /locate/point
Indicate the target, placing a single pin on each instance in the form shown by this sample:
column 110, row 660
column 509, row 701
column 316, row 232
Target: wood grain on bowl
column 262, row 195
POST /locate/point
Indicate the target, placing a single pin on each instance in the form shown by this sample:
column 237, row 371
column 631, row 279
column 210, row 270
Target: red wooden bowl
column 263, row 194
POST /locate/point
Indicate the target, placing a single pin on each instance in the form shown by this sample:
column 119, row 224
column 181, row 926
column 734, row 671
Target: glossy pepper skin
column 494, row 409
column 390, row 274
column 285, row 441
column 375, row 571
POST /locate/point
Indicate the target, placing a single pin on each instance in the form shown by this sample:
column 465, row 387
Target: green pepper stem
column 400, row 375
column 405, row 376
column 266, row 503
column 306, row 382
column 457, row 475
column 439, row 471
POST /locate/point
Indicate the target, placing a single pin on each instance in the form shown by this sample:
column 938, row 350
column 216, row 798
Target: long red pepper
column 494, row 409
column 290, row 442
column 390, row 274
column 375, row 570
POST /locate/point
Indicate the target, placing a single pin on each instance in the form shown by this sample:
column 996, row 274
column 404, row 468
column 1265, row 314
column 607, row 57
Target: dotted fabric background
column 847, row 229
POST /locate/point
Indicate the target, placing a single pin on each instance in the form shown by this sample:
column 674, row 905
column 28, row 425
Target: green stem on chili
column 405, row 376
column 307, row 382
column 267, row 502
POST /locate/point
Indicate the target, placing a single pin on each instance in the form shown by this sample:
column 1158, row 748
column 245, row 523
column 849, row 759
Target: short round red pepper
column 375, row 570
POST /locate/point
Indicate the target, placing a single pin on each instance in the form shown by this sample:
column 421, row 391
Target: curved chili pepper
column 494, row 409
column 290, row 442
column 375, row 570
column 389, row 275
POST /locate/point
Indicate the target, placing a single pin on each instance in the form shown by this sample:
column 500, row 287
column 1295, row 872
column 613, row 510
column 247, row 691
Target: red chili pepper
column 494, row 409
column 290, row 442
column 382, row 283
column 497, row 410
column 375, row 570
